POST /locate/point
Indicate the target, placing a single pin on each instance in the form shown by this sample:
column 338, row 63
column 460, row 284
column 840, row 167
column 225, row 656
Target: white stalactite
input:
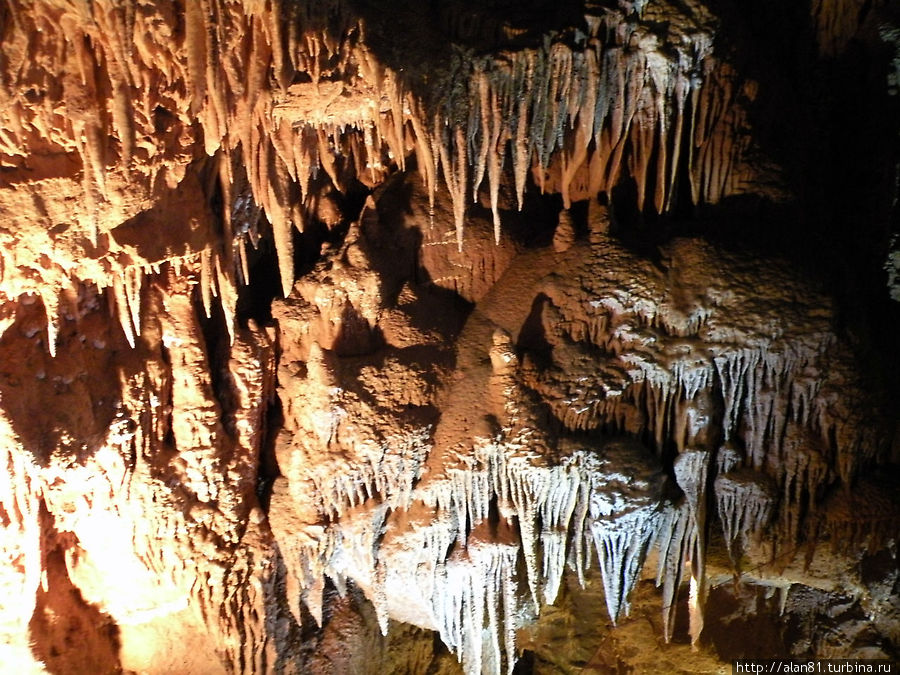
column 744, row 499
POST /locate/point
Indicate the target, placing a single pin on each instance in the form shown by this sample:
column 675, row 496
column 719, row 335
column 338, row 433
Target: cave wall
column 346, row 336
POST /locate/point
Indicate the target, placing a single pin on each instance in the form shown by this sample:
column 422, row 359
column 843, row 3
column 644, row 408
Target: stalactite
column 51, row 310
column 227, row 289
column 522, row 104
column 691, row 468
column 620, row 554
column 471, row 589
column 521, row 150
column 454, row 166
column 673, row 540
column 653, row 356
column 124, row 311
column 744, row 500
column 206, row 281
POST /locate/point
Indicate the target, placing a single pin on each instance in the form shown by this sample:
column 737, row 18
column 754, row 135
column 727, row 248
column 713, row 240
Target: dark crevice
column 829, row 123
column 264, row 285
column 532, row 339
column 525, row 665
column 268, row 469
column 218, row 352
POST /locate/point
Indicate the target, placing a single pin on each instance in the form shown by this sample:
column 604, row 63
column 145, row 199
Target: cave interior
column 443, row 336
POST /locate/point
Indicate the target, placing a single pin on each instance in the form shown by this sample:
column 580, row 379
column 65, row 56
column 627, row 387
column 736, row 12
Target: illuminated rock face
column 323, row 326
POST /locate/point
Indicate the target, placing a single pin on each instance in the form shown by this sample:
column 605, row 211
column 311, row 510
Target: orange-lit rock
column 325, row 326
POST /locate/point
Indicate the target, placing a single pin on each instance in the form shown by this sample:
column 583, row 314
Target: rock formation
column 328, row 327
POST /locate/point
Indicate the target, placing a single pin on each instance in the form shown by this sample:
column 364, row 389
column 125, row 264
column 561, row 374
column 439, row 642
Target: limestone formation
column 327, row 327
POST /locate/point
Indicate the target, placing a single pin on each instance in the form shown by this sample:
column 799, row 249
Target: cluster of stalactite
column 143, row 146
column 738, row 390
column 122, row 99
